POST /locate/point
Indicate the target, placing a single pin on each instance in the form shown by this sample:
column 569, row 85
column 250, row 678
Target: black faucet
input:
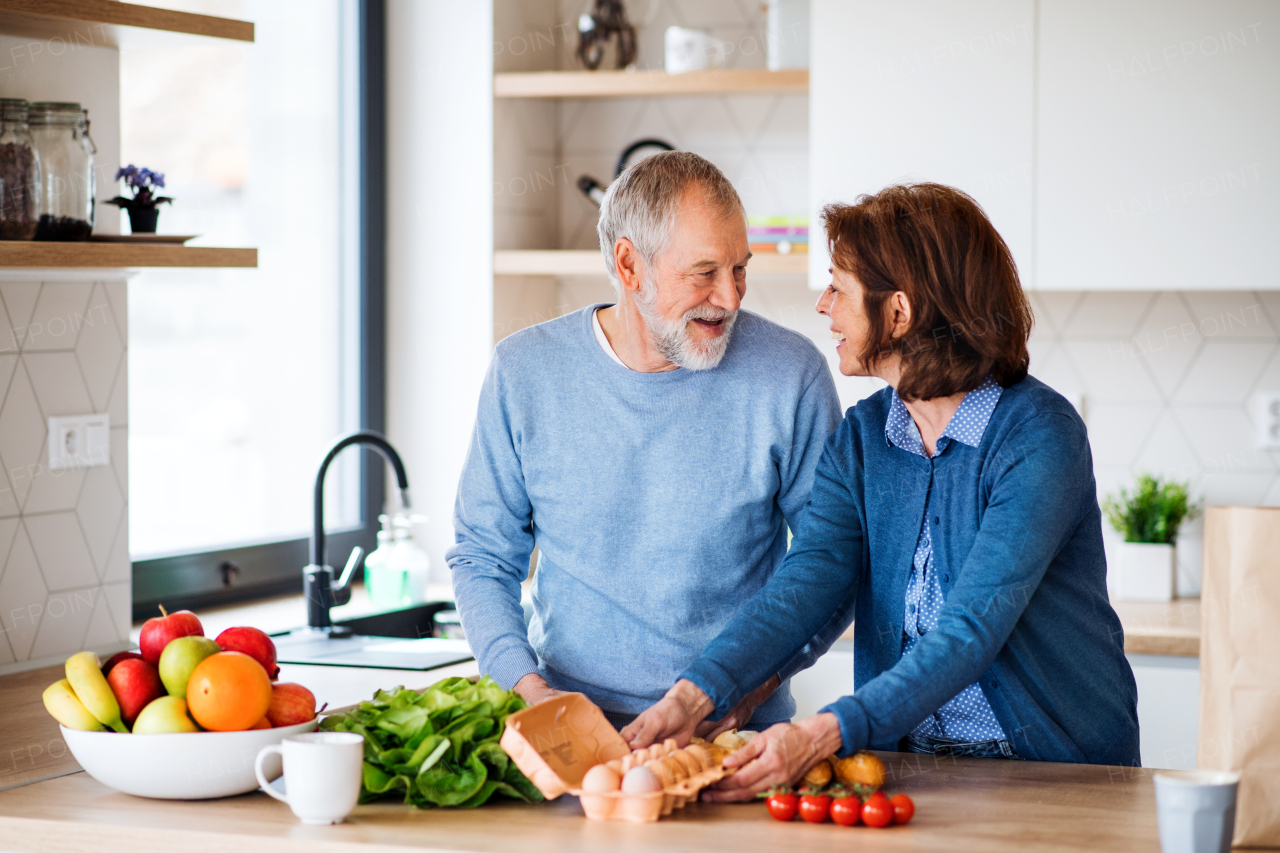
column 321, row 589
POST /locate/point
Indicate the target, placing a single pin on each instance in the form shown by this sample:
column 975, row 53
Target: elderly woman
column 957, row 507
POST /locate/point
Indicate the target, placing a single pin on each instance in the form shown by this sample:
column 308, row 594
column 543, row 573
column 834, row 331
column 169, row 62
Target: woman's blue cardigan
column 1018, row 551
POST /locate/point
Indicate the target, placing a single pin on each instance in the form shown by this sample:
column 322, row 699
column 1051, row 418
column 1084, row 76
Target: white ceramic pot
column 186, row 766
column 1147, row 572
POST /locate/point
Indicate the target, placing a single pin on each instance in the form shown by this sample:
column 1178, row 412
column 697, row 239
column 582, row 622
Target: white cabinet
column 923, row 91
column 1168, row 710
column 1116, row 144
column 1158, row 122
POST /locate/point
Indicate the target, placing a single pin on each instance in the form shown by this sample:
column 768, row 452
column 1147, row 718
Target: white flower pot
column 1146, row 572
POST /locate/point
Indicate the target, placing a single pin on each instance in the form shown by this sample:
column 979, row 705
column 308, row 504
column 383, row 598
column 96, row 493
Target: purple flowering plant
column 143, row 183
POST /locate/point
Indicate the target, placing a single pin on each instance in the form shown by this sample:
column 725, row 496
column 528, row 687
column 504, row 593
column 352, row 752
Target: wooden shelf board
column 632, row 84
column 30, row 254
column 46, row 18
column 575, row 262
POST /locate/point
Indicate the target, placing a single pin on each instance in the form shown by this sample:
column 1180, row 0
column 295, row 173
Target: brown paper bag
column 1240, row 663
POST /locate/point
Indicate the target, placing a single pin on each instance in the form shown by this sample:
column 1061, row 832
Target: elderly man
column 654, row 450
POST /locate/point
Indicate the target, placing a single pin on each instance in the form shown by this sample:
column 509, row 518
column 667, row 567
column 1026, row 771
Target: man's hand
column 674, row 715
column 780, row 755
column 741, row 713
column 533, row 688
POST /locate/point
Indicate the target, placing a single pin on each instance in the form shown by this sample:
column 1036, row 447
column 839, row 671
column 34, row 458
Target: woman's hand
column 780, row 755
column 741, row 713
column 674, row 715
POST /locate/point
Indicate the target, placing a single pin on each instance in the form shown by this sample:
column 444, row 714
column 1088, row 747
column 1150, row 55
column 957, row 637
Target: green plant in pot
column 1149, row 518
column 144, row 204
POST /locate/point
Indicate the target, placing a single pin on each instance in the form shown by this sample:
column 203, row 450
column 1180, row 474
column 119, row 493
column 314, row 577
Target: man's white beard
column 673, row 338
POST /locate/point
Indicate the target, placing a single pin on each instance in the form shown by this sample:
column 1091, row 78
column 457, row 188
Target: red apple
column 290, row 704
column 135, row 682
column 116, row 658
column 254, row 643
column 159, row 630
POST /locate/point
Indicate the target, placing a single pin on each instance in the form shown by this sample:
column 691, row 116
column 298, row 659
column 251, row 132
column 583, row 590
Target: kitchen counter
column 31, row 747
column 964, row 804
column 1161, row 628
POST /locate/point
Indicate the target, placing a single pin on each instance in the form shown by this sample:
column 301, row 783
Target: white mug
column 692, row 50
column 323, row 772
column 1196, row 810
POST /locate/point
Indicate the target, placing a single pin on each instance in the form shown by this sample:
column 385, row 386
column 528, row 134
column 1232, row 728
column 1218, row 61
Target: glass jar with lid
column 60, row 134
column 19, row 173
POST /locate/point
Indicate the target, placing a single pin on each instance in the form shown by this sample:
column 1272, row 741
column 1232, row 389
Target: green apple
column 163, row 716
column 179, row 658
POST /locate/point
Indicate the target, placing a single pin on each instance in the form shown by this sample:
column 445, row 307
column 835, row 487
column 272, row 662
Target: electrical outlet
column 79, row 441
column 1267, row 418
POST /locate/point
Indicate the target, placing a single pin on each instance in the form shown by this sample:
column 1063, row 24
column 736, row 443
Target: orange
column 264, row 723
column 228, row 692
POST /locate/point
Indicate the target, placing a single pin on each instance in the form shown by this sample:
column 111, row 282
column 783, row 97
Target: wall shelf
column 41, row 17
column 589, row 263
column 634, row 84
column 30, row 254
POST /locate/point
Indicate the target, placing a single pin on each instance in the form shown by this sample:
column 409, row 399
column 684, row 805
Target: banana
column 61, row 703
column 84, row 671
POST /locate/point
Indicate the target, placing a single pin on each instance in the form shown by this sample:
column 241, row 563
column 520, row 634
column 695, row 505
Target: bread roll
column 730, row 740
column 819, row 775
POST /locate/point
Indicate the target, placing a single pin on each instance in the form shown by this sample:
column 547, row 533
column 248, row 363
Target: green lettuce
column 438, row 747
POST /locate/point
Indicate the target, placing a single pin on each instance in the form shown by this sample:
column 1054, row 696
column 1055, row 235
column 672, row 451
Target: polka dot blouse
column 967, row 716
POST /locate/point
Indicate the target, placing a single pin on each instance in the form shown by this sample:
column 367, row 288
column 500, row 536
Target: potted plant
column 1149, row 520
column 144, row 205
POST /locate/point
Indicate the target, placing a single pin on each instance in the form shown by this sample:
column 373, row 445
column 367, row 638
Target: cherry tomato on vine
column 814, row 808
column 782, row 804
column 903, row 808
column 845, row 810
column 877, row 810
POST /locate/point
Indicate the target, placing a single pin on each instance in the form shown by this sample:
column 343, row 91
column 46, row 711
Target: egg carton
column 682, row 772
column 555, row 743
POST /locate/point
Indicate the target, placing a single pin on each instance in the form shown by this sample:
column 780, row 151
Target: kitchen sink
column 409, row 623
column 396, row 639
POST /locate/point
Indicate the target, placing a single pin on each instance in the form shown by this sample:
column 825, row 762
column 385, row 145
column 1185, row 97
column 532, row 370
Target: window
column 240, row 379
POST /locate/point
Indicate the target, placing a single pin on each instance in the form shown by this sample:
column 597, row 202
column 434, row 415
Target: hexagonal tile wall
column 64, row 564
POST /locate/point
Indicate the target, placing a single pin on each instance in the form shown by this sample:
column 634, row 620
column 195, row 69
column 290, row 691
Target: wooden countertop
column 31, row 745
column 964, row 804
column 1161, row 628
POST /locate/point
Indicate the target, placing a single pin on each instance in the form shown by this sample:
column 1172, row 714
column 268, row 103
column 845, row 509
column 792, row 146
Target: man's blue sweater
column 1017, row 545
column 659, row 503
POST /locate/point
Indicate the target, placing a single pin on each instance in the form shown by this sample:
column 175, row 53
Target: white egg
column 601, row 779
column 640, row 780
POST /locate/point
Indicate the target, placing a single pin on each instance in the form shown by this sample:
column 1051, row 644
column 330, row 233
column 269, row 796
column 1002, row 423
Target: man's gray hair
column 641, row 204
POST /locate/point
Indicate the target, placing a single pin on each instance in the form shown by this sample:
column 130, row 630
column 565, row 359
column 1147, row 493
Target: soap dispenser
column 386, row 584
column 407, row 557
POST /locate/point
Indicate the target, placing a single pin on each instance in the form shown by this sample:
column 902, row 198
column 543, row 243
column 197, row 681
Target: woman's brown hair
column 969, row 316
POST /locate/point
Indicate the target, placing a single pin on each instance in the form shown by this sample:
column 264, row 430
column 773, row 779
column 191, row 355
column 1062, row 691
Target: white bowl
column 184, row 766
